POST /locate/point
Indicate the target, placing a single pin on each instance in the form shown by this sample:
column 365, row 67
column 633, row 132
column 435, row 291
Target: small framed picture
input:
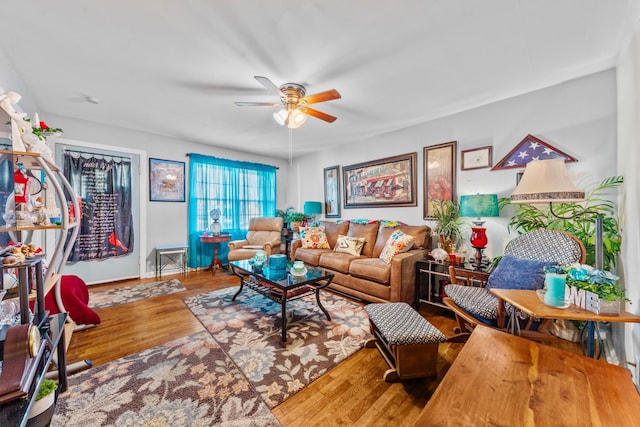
column 476, row 158
column 332, row 192
column 166, row 181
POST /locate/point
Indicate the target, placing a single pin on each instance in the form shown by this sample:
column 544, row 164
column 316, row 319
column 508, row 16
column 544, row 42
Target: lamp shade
column 280, row 115
column 312, row 208
column 296, row 119
column 479, row 205
column 546, row 181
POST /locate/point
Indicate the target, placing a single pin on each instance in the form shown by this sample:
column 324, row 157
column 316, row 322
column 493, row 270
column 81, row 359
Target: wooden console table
column 502, row 379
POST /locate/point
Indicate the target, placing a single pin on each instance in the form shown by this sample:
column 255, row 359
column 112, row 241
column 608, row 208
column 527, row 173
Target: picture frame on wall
column 166, row 180
column 476, row 158
column 388, row 182
column 439, row 174
column 332, row 192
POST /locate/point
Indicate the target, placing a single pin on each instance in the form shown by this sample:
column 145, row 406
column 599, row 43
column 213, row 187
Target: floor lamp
column 548, row 181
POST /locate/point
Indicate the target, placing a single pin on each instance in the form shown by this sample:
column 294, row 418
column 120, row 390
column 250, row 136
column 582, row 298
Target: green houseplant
column 582, row 221
column 45, row 398
column 450, row 226
column 293, row 218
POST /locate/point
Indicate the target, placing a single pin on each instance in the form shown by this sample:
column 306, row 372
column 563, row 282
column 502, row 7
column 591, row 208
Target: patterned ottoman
column 406, row 340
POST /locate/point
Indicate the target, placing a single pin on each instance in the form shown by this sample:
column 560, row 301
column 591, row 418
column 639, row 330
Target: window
column 241, row 190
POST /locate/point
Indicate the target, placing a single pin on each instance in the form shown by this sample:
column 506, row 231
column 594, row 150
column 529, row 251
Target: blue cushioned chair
column 521, row 267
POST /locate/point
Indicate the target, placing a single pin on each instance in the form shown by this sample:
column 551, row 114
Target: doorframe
column 143, row 172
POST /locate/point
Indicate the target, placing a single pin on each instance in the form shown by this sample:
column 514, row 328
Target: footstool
column 405, row 339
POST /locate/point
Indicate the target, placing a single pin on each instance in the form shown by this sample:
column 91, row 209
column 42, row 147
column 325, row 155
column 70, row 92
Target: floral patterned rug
column 248, row 330
column 185, row 382
column 102, row 299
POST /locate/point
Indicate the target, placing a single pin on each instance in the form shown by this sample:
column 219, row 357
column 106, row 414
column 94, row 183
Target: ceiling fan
column 293, row 109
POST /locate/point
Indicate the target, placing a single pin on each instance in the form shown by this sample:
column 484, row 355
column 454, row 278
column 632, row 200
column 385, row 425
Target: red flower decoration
column 43, row 125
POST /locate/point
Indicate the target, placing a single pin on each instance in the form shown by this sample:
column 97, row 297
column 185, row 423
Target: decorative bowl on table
column 298, row 269
column 439, row 254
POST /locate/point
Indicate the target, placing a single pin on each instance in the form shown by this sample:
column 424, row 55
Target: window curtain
column 241, row 190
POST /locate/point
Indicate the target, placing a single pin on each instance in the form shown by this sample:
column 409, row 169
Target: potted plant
column 602, row 283
column 451, row 227
column 45, row 398
column 294, row 219
column 581, row 223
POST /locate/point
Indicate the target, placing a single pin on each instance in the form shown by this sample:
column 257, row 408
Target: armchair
column 520, row 268
column 264, row 234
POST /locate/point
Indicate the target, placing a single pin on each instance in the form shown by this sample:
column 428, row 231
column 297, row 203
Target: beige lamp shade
column 546, row 181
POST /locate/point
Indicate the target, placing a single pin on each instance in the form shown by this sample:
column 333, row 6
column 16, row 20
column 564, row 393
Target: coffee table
column 281, row 286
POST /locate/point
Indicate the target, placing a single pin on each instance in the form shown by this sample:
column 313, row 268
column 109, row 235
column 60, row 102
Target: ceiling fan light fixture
column 280, row 115
column 296, row 118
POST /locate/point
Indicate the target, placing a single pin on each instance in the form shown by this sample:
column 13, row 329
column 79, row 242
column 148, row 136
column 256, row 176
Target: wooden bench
column 406, row 340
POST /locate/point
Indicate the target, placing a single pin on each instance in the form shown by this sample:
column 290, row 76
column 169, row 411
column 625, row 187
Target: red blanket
column 75, row 297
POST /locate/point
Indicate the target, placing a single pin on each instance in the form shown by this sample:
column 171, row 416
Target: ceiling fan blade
column 318, row 114
column 256, row 104
column 327, row 95
column 264, row 81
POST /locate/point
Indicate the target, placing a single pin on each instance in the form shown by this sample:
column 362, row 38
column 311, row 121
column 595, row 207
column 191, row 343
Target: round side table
column 216, row 264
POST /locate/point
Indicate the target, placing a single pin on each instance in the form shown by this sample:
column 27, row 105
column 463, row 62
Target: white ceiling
column 176, row 67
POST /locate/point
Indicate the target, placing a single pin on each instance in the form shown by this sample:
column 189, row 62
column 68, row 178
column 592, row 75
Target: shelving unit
column 55, row 330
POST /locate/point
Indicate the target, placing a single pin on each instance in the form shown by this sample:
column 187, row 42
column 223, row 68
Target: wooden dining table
column 500, row 379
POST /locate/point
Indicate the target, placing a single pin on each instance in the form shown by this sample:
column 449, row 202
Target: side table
column 431, row 278
column 168, row 254
column 216, row 264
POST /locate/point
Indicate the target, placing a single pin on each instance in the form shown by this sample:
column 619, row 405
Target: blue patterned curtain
column 241, row 190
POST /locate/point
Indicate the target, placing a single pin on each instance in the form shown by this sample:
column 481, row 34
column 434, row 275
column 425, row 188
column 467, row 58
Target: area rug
column 248, row 330
column 186, row 382
column 102, row 299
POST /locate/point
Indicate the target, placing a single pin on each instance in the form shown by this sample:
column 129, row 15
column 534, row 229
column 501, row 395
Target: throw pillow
column 314, row 238
column 398, row 242
column 518, row 273
column 349, row 245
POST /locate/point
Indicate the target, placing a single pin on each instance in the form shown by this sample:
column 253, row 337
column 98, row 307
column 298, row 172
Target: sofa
column 366, row 276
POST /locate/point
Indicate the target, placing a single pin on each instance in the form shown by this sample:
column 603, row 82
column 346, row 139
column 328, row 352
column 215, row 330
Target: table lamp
column 312, row 209
column 479, row 205
column 215, row 226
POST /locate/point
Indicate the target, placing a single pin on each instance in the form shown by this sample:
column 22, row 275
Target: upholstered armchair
column 264, row 234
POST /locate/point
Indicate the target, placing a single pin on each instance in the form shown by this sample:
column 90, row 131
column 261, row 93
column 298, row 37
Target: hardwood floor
column 353, row 393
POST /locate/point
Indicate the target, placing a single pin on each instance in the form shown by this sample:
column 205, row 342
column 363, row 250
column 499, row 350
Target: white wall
column 577, row 117
column 166, row 223
column 628, row 72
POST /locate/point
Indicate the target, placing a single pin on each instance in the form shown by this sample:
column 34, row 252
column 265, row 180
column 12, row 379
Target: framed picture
column 166, row 181
column 439, row 174
column 332, row 192
column 476, row 158
column 385, row 182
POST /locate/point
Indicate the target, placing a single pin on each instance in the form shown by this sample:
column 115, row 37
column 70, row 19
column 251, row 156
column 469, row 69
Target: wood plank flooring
column 352, row 394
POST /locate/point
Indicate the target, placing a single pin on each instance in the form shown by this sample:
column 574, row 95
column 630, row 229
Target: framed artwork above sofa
column 388, row 182
column 332, row 192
